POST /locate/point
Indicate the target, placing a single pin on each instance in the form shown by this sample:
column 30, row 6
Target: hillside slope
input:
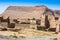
column 27, row 12
column 24, row 12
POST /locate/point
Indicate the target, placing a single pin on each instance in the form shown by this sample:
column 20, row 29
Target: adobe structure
column 47, row 17
column 51, row 20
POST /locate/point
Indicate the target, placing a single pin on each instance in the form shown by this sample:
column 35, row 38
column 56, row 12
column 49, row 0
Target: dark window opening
column 56, row 18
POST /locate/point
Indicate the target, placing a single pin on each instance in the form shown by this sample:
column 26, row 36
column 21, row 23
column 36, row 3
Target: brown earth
column 24, row 12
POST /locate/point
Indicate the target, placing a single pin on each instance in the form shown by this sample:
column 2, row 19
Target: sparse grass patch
column 33, row 27
column 33, row 19
column 14, row 36
column 22, row 36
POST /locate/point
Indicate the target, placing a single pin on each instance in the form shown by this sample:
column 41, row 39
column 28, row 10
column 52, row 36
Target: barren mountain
column 25, row 12
column 57, row 11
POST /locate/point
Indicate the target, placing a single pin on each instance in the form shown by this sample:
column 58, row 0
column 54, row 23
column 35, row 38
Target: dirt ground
column 28, row 33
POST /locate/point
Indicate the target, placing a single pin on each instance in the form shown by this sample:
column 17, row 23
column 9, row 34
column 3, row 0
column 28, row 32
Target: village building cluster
column 47, row 21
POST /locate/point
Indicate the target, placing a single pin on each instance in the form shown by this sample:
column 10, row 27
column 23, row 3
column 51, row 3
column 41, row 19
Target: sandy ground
column 29, row 33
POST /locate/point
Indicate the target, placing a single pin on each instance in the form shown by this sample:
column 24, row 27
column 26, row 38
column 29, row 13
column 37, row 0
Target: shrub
column 14, row 36
column 33, row 18
column 22, row 36
column 33, row 27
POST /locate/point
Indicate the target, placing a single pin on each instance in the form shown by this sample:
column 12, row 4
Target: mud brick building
column 43, row 13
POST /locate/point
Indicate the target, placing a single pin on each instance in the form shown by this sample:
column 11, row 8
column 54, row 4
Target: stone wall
column 43, row 20
column 52, row 21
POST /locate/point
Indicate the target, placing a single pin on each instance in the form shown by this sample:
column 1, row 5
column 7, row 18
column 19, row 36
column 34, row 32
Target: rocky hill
column 57, row 11
column 25, row 12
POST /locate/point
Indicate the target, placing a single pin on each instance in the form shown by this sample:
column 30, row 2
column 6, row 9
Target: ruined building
column 47, row 17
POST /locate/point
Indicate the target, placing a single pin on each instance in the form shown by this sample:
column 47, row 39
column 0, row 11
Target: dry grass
column 28, row 33
column 35, row 33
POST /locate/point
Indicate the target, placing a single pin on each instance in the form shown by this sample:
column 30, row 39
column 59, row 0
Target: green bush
column 33, row 18
column 14, row 36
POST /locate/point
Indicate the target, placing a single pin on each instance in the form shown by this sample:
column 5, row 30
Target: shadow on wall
column 47, row 23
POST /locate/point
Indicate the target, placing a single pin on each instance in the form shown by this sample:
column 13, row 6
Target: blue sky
column 52, row 4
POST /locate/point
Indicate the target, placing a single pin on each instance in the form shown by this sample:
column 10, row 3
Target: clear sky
column 52, row 4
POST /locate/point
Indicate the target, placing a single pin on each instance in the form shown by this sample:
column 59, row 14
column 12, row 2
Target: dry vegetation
column 28, row 33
